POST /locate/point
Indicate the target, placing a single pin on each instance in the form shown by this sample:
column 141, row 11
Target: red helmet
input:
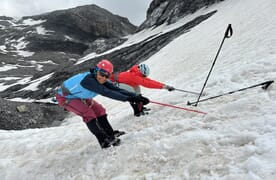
column 105, row 65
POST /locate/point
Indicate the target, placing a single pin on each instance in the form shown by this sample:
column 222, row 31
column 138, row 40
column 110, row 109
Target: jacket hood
column 134, row 69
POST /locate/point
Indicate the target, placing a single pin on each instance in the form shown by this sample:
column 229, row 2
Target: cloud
column 135, row 11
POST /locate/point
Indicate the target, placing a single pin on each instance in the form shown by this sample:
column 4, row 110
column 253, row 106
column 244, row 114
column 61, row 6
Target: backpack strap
column 116, row 83
column 64, row 90
column 116, row 76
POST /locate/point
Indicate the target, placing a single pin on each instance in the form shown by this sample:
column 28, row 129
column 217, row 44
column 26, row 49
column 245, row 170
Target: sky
column 135, row 11
column 234, row 140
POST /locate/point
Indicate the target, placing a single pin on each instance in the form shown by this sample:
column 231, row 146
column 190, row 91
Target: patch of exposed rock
column 21, row 115
column 167, row 11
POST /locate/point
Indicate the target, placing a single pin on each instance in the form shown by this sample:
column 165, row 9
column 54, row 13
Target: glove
column 169, row 88
column 134, row 99
column 139, row 98
column 145, row 100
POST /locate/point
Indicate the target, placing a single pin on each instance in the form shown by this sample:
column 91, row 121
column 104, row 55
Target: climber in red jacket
column 135, row 77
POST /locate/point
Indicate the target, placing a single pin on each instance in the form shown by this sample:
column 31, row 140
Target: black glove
column 170, row 88
column 145, row 100
column 138, row 98
column 133, row 99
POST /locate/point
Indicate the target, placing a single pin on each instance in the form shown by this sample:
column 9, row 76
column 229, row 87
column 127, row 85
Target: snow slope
column 235, row 140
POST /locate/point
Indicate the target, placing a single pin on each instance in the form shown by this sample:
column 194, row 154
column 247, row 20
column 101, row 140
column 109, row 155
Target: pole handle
column 267, row 84
column 228, row 32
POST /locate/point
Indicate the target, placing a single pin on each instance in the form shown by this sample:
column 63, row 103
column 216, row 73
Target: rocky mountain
column 166, row 11
column 33, row 46
column 58, row 38
column 74, row 29
column 39, row 52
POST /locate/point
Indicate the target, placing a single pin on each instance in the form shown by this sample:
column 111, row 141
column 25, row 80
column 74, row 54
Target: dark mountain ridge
column 166, row 11
column 86, row 23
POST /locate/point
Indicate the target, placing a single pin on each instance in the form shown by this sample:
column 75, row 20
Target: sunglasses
column 104, row 73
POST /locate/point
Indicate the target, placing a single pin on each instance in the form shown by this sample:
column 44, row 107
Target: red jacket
column 134, row 78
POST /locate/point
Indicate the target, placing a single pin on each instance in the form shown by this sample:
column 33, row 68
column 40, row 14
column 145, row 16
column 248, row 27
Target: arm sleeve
column 111, row 86
column 147, row 82
column 91, row 84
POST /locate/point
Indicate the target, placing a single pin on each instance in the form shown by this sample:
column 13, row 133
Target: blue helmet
column 144, row 69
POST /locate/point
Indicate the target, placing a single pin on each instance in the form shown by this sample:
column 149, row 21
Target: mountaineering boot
column 118, row 133
column 103, row 139
column 144, row 113
column 111, row 141
column 145, row 109
column 108, row 128
column 105, row 125
column 115, row 141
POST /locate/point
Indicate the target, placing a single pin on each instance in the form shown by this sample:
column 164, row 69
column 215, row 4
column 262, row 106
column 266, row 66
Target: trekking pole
column 228, row 33
column 264, row 84
column 172, row 106
column 186, row 91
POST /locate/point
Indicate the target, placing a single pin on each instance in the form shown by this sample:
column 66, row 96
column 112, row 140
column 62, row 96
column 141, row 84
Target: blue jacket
column 86, row 86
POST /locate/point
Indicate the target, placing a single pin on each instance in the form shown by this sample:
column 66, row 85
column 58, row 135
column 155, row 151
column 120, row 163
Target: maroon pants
column 88, row 109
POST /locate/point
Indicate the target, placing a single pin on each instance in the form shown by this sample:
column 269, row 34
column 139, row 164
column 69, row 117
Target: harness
column 64, row 90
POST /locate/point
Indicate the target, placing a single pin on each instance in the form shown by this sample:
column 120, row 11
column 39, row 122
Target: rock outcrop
column 21, row 115
column 167, row 11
